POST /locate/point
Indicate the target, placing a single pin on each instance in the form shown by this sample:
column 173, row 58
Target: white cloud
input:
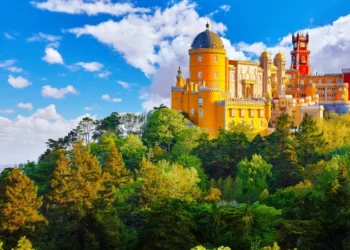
column 43, row 78
column 15, row 69
column 24, row 138
column 7, row 63
column 125, row 85
column 6, row 111
column 48, row 91
column 52, row 56
column 91, row 66
column 25, row 105
column 166, row 36
column 88, row 7
column 104, row 75
column 225, row 7
column 8, row 36
column 18, row 82
column 53, row 41
column 88, row 108
column 107, row 98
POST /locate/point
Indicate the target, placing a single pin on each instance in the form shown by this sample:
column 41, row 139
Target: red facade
column 301, row 54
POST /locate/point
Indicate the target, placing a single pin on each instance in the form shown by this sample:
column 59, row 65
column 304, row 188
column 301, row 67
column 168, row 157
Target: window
column 199, row 58
column 329, row 81
column 261, row 123
column 252, row 123
column 261, row 113
column 192, row 111
column 320, row 81
column 242, row 112
column 215, row 74
column 233, row 112
column 311, row 81
column 200, row 101
column 252, row 113
column 200, row 74
column 201, row 113
column 215, row 58
column 339, row 81
column 302, row 82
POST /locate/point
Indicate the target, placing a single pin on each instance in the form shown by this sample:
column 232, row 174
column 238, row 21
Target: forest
column 153, row 182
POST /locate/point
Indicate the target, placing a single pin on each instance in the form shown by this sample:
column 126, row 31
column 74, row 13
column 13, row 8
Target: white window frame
column 242, row 112
column 200, row 101
column 252, row 113
column 192, row 111
column 201, row 113
column 216, row 74
column 233, row 113
column 215, row 58
column 261, row 113
column 199, row 58
column 199, row 74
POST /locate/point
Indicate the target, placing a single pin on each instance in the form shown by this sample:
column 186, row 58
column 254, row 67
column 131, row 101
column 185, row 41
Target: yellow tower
column 177, row 92
column 208, row 64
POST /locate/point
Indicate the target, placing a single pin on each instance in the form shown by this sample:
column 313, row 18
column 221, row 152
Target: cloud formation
column 90, row 8
column 18, row 82
column 125, row 85
column 52, row 40
column 45, row 123
column 107, row 98
column 48, row 91
column 22, row 105
column 52, row 56
column 91, row 66
column 6, row 111
column 104, row 75
column 8, row 36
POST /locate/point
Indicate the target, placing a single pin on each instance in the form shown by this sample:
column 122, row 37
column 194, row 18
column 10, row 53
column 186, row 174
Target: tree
column 166, row 181
column 24, row 244
column 132, row 124
column 221, row 155
column 132, row 149
column 109, row 124
column 115, row 175
column 285, row 171
column 19, row 203
column 309, row 141
column 252, row 176
column 168, row 226
column 163, row 127
column 242, row 128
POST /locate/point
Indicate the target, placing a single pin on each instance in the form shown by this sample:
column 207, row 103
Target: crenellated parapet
column 177, row 89
column 237, row 102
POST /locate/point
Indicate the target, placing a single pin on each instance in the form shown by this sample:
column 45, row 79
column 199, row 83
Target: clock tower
column 301, row 54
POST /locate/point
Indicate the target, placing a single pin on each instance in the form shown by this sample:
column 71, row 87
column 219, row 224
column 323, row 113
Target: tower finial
column 179, row 72
column 207, row 25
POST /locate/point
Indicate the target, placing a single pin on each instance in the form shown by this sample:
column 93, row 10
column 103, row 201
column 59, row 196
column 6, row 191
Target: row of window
column 320, row 81
column 329, row 89
column 200, row 58
column 200, row 75
column 242, row 113
column 328, row 96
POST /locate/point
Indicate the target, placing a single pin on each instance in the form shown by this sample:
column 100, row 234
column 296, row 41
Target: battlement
column 346, row 70
column 311, row 107
column 241, row 102
column 177, row 89
column 209, row 89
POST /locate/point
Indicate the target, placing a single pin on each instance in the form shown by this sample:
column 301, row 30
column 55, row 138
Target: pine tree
column 115, row 175
column 309, row 141
column 19, row 203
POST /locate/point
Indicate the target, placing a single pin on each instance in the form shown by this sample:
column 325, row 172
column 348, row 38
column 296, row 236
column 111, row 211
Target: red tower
column 346, row 79
column 301, row 54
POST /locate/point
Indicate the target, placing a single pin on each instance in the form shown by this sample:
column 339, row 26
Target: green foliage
column 251, row 177
column 242, row 128
column 221, row 155
column 163, row 127
column 132, row 150
column 169, row 225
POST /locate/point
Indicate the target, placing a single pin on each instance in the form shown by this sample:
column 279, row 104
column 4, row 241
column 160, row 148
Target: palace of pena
column 221, row 91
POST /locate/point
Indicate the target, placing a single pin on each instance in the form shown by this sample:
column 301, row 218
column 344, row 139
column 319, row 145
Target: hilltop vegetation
column 120, row 183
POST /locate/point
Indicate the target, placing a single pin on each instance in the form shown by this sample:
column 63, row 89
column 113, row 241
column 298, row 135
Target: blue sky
column 126, row 59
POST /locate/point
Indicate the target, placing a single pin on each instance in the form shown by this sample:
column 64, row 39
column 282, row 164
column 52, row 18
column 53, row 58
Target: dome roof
column 207, row 39
column 279, row 55
column 265, row 54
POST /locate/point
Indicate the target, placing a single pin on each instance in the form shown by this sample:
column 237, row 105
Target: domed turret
column 279, row 55
column 265, row 54
column 207, row 39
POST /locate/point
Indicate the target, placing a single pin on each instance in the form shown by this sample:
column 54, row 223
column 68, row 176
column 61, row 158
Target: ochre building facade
column 220, row 91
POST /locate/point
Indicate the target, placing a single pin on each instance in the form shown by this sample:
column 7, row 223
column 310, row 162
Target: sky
column 61, row 60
